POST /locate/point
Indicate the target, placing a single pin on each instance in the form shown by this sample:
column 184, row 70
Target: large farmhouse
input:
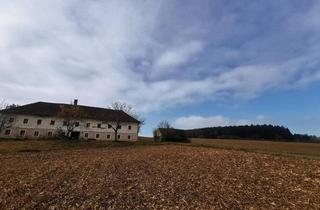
column 43, row 120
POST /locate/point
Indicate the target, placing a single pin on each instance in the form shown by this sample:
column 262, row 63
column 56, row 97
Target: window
column 22, row 132
column 129, row 127
column 118, row 136
column 86, row 135
column 25, row 121
column 36, row 133
column 52, row 122
column 11, row 119
column 7, row 132
column 39, row 122
column 108, row 136
column 88, row 125
column 77, row 124
column 109, row 126
column 65, row 123
column 99, row 125
column 50, row 133
column 97, row 135
column 129, row 137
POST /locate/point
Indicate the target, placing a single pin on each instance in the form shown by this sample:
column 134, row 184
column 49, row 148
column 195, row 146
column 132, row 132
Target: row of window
column 99, row 126
column 86, row 135
column 23, row 133
column 50, row 134
column 65, row 123
column 39, row 121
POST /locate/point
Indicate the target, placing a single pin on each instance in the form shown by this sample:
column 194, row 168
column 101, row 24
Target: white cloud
column 179, row 55
column 149, row 53
column 195, row 121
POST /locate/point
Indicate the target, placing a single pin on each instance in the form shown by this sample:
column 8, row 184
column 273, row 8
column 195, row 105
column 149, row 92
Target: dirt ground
column 157, row 177
column 309, row 150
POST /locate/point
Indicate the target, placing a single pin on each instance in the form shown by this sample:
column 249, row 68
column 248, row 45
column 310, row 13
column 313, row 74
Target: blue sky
column 193, row 63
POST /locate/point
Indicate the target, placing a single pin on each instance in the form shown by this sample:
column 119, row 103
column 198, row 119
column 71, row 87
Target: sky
column 193, row 63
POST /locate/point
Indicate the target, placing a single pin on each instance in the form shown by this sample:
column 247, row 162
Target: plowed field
column 157, row 177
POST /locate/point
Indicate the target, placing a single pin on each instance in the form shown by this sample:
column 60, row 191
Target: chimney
column 75, row 102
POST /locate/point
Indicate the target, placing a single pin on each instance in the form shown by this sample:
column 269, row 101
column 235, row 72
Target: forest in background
column 256, row 132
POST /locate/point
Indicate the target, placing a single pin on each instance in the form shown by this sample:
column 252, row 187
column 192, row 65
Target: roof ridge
column 95, row 107
column 41, row 108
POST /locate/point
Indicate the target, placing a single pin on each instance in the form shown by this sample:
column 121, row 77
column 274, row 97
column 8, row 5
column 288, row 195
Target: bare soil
column 157, row 177
column 308, row 150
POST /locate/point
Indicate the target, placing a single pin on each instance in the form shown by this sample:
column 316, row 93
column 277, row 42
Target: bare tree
column 2, row 104
column 138, row 117
column 5, row 117
column 164, row 124
column 71, row 115
column 127, row 108
column 118, row 120
column 141, row 120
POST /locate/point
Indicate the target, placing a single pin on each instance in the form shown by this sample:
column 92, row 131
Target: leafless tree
column 164, row 124
column 71, row 115
column 141, row 120
column 5, row 122
column 3, row 104
column 118, row 120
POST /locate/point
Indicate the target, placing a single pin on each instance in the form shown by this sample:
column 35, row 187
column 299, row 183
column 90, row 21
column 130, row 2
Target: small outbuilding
column 170, row 134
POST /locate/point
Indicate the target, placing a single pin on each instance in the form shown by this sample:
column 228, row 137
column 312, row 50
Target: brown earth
column 157, row 177
column 309, row 150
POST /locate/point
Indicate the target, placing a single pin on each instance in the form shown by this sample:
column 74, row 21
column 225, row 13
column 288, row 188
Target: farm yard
column 147, row 175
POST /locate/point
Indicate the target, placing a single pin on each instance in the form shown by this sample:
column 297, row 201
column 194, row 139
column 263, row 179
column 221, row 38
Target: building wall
column 45, row 127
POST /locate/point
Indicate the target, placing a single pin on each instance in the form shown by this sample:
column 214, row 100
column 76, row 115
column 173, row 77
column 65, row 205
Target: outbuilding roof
column 45, row 109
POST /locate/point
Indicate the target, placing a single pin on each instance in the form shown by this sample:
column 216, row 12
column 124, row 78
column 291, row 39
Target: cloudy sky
column 193, row 63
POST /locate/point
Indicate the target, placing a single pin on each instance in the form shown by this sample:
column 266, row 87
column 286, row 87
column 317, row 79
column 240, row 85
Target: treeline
column 254, row 132
column 268, row 132
column 306, row 138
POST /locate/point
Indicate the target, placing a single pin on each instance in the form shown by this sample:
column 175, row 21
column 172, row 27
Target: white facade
column 34, row 127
